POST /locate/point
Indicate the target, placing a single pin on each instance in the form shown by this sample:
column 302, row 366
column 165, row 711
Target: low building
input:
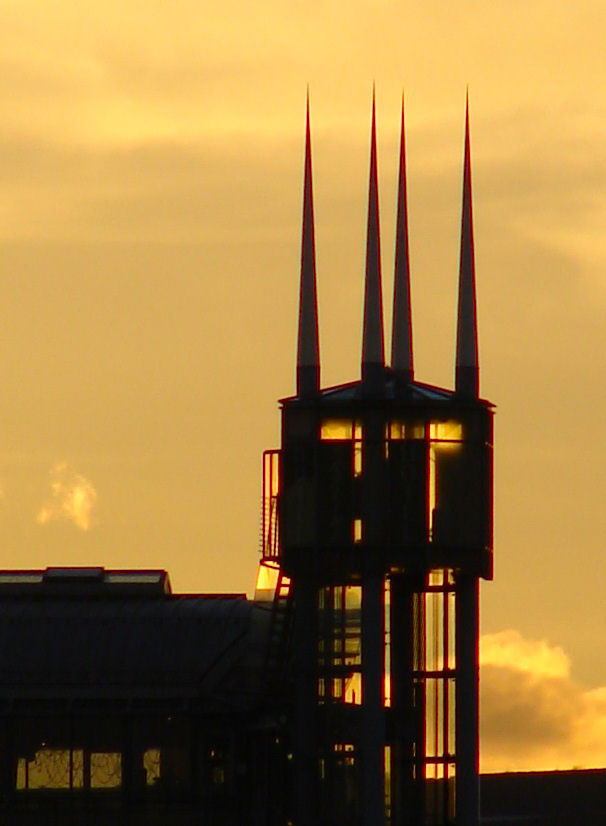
column 122, row 702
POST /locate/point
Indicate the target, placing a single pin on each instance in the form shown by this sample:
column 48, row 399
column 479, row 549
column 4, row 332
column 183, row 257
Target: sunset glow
column 151, row 165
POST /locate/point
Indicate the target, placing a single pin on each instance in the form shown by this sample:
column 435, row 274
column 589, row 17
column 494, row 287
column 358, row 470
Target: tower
column 384, row 501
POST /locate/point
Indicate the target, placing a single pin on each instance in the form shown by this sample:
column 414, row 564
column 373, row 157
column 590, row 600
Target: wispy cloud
column 72, row 498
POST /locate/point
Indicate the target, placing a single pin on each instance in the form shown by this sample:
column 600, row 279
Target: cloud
column 72, row 498
column 533, row 714
column 508, row 649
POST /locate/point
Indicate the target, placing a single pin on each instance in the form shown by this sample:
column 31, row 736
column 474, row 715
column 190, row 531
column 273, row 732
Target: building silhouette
column 346, row 692
column 385, row 511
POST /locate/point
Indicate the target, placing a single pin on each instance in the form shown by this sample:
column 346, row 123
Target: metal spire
column 467, row 370
column 373, row 355
column 308, row 348
column 401, row 333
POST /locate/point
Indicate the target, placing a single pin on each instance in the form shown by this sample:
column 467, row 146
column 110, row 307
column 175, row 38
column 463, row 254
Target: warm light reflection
column 398, row 430
column 449, row 431
column 353, row 689
column 151, row 766
column 267, row 581
column 51, row 769
column 333, row 430
column 105, row 770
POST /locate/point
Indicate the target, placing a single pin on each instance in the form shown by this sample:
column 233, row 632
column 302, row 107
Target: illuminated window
column 151, row 765
column 347, row 752
column 357, row 530
column 339, row 645
column 445, row 437
column 398, row 430
column 21, row 774
column 353, row 689
column 51, row 769
column 105, row 770
column 340, row 430
column 450, row 431
column 267, row 579
column 387, row 776
column 435, row 680
column 345, row 430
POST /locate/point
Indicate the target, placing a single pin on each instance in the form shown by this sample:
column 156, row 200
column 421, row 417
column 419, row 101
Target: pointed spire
column 401, row 334
column 467, row 370
column 308, row 348
column 373, row 355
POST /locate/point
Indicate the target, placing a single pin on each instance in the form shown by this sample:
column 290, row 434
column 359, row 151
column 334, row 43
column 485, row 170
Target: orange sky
column 151, row 166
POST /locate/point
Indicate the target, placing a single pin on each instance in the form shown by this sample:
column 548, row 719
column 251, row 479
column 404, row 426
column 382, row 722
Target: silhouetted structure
column 384, row 497
column 556, row 798
column 347, row 691
column 123, row 703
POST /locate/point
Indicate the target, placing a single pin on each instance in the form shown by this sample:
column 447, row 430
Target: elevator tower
column 383, row 490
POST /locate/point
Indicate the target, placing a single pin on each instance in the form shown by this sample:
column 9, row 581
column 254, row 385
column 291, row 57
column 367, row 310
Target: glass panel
column 407, row 468
column 434, row 631
column 336, row 493
column 387, row 775
column 357, row 459
column 387, row 623
column 151, row 766
column 353, row 689
column 451, row 716
column 77, row 769
column 418, row 631
column 452, row 659
column 432, row 491
column 406, row 430
column 450, row 770
column 353, row 597
column 357, row 530
column 297, row 502
column 430, row 717
column 267, row 579
column 332, row 430
column 448, row 431
column 49, row 769
column 20, row 783
column 440, row 718
column 105, row 770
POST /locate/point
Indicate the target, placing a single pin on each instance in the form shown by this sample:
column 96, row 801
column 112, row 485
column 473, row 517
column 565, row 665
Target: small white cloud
column 72, row 498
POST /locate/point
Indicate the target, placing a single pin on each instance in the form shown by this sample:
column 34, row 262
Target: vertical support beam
column 373, row 623
column 402, row 703
column 373, row 715
column 467, row 694
column 306, row 689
